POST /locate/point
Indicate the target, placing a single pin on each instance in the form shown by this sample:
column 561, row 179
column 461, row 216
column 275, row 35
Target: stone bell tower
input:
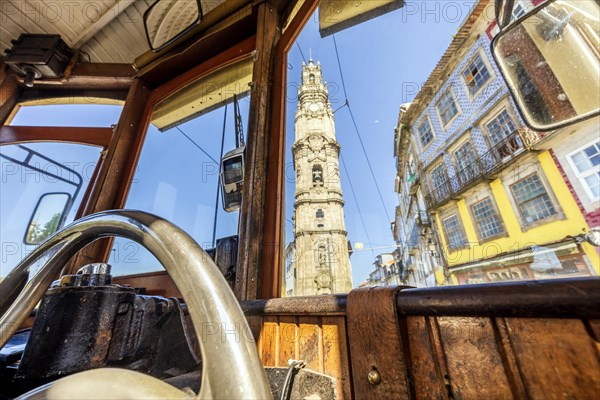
column 322, row 259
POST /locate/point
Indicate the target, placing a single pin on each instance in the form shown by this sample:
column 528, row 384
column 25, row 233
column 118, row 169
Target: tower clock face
column 314, row 107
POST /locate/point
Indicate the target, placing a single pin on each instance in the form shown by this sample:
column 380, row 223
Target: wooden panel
column 308, row 341
column 473, row 359
column 319, row 341
column 557, row 358
column 156, row 283
column 269, row 339
column 375, row 341
column 9, row 95
column 426, row 374
column 335, row 353
column 288, row 339
column 93, row 136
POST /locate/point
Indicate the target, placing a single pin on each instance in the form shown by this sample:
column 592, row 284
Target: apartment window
column 518, row 11
column 454, row 232
column 586, row 163
column 476, row 75
column 487, row 219
column 500, row 127
column 425, row 133
column 532, row 199
column 467, row 166
column 447, row 107
column 440, row 185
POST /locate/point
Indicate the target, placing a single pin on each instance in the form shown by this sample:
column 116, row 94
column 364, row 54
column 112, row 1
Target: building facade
column 385, row 272
column 321, row 258
column 498, row 204
column 578, row 161
column 417, row 253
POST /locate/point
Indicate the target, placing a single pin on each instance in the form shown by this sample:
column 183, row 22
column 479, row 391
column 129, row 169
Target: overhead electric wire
column 301, row 53
column 197, row 145
column 357, row 130
column 362, row 220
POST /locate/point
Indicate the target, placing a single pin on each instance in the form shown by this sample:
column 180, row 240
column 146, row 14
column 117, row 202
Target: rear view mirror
column 550, row 60
column 47, row 217
column 167, row 20
column 232, row 179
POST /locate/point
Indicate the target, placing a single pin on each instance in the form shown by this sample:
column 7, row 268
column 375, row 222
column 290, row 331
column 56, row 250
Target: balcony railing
column 486, row 165
column 422, row 219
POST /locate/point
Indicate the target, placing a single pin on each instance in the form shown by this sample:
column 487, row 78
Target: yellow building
column 498, row 201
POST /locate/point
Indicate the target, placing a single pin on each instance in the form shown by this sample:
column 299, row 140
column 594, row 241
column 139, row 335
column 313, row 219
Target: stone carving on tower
column 321, row 251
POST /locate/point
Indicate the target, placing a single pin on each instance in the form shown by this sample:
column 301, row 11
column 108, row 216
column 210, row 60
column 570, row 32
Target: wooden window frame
column 500, row 234
column 448, row 92
column 423, row 121
column 461, row 228
column 478, row 53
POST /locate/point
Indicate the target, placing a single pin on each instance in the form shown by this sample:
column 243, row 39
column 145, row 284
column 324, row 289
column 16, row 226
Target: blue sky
column 383, row 61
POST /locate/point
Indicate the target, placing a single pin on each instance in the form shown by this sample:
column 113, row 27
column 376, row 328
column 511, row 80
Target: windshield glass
column 177, row 178
column 410, row 165
column 43, row 183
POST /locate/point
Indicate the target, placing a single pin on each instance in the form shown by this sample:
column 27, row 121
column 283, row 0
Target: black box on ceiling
column 39, row 56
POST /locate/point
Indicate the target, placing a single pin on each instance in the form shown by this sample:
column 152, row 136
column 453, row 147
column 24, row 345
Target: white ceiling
column 110, row 31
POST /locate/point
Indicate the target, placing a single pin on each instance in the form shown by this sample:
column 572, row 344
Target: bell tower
column 321, row 257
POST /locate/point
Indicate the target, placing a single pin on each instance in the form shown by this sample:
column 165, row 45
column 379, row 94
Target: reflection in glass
column 166, row 20
column 551, row 59
column 47, row 217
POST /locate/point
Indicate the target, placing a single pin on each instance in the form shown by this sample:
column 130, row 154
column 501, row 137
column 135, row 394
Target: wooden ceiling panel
column 110, row 31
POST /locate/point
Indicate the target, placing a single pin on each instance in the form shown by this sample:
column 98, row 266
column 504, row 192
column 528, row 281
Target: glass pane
column 343, row 97
column 487, row 219
column 177, row 178
column 91, row 115
column 593, row 182
column 29, row 172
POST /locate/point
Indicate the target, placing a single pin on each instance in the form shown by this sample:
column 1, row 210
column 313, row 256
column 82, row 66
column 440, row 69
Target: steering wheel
column 231, row 368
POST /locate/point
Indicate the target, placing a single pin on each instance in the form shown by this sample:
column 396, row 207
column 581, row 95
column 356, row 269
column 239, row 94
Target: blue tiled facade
column 470, row 110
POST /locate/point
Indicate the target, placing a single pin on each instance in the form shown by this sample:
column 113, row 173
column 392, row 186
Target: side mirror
column 232, row 179
column 168, row 20
column 48, row 217
column 550, row 60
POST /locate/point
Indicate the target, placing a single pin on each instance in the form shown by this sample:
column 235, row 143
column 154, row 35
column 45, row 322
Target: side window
column 43, row 183
column 178, row 178
column 30, row 173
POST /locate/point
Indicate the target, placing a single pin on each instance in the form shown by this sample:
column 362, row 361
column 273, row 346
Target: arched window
column 322, row 254
column 320, row 213
column 317, row 175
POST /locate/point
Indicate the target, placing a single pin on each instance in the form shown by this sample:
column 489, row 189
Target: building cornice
column 445, row 65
